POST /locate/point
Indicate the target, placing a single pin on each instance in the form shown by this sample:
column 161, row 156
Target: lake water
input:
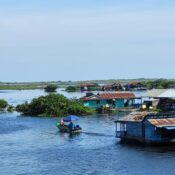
column 15, row 97
column 33, row 146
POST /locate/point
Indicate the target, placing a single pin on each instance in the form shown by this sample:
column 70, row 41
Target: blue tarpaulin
column 70, row 118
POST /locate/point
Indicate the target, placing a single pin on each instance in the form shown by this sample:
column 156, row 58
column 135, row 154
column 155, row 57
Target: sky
column 52, row 40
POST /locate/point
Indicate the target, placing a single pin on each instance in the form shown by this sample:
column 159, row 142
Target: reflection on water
column 33, row 146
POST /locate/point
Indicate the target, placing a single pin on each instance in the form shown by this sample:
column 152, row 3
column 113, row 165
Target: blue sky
column 44, row 40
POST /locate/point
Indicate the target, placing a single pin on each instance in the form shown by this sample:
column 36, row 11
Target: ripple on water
column 34, row 146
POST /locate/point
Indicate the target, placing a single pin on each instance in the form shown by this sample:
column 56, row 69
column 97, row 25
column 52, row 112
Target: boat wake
column 97, row 134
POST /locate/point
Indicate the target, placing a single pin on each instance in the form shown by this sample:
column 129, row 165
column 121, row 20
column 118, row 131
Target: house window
column 109, row 101
column 121, row 127
column 97, row 102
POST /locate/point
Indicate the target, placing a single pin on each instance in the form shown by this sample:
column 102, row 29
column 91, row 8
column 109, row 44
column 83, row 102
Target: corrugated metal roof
column 169, row 93
column 135, row 116
column 94, row 97
column 87, row 85
column 162, row 122
column 154, row 92
column 108, row 96
column 123, row 95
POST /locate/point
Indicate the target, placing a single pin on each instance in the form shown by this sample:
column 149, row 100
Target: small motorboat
column 69, row 128
column 65, row 128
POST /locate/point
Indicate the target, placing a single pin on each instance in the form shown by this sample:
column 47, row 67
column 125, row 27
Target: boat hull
column 66, row 129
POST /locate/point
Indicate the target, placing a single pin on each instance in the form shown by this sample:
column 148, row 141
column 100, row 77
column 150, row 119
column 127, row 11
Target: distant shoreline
column 64, row 84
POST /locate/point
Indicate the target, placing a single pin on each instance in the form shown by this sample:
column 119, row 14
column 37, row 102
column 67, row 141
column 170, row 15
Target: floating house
column 87, row 86
column 113, row 100
column 163, row 99
column 134, row 86
column 112, row 87
column 171, row 86
column 149, row 128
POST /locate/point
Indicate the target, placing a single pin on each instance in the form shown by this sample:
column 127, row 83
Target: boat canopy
column 70, row 118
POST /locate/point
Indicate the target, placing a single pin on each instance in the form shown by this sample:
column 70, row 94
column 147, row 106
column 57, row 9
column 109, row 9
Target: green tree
column 51, row 88
column 71, row 89
column 159, row 84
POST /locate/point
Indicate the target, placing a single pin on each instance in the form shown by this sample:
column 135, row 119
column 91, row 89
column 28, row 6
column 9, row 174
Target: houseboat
column 162, row 99
column 147, row 128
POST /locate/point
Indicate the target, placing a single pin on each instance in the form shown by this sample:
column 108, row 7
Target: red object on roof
column 108, row 96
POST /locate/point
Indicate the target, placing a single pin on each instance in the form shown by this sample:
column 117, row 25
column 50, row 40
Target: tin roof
column 161, row 93
column 135, row 116
column 93, row 97
column 108, row 96
column 162, row 122
column 87, row 85
column 169, row 93
column 154, row 93
column 112, row 85
column 123, row 95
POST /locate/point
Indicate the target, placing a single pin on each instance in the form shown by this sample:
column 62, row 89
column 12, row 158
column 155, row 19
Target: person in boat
column 62, row 122
column 77, row 127
column 71, row 126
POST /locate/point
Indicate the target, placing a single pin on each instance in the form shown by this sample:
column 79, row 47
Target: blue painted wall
column 150, row 132
column 134, row 129
column 91, row 104
column 119, row 103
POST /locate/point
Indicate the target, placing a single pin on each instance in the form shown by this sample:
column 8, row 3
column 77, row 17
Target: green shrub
column 71, row 89
column 53, row 105
column 51, row 88
column 95, row 88
column 3, row 104
column 24, row 108
column 10, row 108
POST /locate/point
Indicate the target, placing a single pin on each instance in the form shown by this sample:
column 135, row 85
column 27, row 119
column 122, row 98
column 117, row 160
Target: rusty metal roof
column 122, row 95
column 162, row 122
column 94, row 97
column 87, row 85
column 135, row 116
column 109, row 96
